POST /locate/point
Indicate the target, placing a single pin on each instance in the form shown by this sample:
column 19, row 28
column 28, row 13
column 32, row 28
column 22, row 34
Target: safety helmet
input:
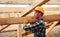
column 39, row 9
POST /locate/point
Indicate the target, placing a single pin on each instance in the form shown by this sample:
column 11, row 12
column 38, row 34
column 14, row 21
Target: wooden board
column 55, row 32
column 7, row 21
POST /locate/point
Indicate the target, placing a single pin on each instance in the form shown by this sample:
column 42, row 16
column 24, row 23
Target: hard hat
column 39, row 9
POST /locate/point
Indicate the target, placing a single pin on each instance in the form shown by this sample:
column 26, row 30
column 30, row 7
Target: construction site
column 16, row 14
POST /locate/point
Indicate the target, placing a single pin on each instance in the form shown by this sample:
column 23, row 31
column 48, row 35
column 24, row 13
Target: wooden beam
column 4, row 27
column 51, row 27
column 19, row 20
column 55, row 32
column 19, row 30
column 55, row 17
column 8, row 31
column 34, row 6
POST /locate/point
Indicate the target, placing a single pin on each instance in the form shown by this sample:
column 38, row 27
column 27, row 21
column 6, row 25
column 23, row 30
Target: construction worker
column 38, row 28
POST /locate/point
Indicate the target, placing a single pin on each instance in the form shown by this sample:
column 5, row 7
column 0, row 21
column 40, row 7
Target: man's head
column 39, row 11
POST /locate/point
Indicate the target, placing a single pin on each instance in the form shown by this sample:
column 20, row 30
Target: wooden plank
column 11, row 27
column 55, row 17
column 55, row 32
column 19, row 20
column 4, row 27
column 19, row 31
column 34, row 6
column 8, row 31
column 51, row 27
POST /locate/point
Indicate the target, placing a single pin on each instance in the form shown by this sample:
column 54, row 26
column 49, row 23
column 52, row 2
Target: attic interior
column 12, row 13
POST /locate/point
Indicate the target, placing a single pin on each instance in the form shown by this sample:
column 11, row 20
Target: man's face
column 37, row 14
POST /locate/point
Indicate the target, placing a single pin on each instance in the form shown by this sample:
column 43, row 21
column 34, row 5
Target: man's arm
column 27, row 20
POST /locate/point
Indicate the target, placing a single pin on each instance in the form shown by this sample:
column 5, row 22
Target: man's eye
column 35, row 12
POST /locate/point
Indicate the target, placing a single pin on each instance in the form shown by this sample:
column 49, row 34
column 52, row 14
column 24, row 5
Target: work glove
column 25, row 21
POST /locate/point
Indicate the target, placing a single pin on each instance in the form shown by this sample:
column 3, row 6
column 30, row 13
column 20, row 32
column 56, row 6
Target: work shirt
column 40, row 29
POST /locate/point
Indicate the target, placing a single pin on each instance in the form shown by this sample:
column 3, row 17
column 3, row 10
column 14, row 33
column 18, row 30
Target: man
column 38, row 27
column 39, row 11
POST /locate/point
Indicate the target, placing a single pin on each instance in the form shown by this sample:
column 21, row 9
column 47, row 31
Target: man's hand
column 25, row 21
column 29, row 20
